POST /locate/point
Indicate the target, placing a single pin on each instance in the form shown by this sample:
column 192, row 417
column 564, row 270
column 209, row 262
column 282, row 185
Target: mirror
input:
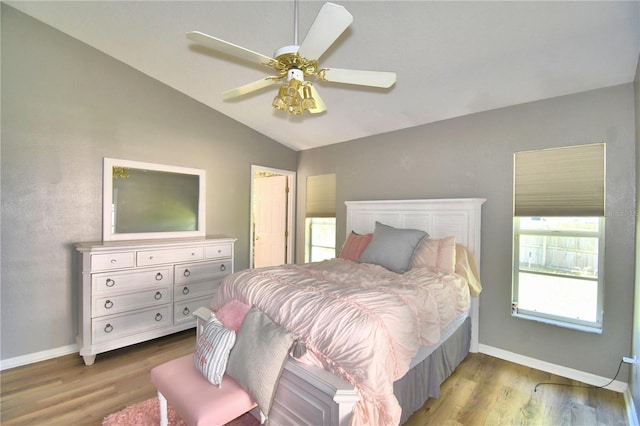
column 320, row 218
column 147, row 201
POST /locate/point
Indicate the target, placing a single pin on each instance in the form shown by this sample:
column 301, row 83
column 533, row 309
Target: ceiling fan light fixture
column 307, row 98
column 278, row 100
column 295, row 108
column 295, row 97
column 293, row 88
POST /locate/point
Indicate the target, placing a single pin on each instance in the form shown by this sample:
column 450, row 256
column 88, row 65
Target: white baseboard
column 632, row 414
column 18, row 361
column 558, row 370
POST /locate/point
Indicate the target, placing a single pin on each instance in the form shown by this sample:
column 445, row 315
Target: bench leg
column 162, row 402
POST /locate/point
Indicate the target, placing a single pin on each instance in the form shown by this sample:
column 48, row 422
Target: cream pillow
column 436, row 253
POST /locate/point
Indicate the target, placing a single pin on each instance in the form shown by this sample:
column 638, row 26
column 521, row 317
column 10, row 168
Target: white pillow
column 212, row 350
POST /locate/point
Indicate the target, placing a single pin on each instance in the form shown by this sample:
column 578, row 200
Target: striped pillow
column 212, row 350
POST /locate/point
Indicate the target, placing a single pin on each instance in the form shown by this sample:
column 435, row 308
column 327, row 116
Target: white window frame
column 310, row 244
column 559, row 320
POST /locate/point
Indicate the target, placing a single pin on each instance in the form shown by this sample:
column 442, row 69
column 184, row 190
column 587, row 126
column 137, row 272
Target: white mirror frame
column 107, row 202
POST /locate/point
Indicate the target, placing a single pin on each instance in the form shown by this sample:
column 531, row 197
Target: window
column 320, row 238
column 320, row 222
column 557, row 269
column 558, row 231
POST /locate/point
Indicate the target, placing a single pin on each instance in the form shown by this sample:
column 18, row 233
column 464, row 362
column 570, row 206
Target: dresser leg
column 89, row 359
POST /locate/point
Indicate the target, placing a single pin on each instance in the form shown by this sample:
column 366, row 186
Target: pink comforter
column 360, row 321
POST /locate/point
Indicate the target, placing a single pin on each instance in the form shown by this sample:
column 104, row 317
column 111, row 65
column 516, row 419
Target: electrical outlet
column 630, row 360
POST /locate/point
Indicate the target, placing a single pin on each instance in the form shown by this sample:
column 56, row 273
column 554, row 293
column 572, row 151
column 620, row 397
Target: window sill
column 579, row 327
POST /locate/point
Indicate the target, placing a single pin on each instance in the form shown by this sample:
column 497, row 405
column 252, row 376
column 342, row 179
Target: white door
column 270, row 221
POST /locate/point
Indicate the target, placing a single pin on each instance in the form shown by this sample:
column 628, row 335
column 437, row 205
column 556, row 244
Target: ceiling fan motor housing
column 291, row 49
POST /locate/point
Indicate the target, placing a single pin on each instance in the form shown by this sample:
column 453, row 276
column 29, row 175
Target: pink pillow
column 436, row 253
column 232, row 313
column 354, row 246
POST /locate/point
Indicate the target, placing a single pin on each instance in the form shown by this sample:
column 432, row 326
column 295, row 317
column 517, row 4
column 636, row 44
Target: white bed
column 311, row 395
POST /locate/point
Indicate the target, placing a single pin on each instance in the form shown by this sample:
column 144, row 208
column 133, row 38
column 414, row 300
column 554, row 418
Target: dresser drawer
column 101, row 262
column 201, row 271
column 200, row 289
column 183, row 311
column 114, row 327
column 158, row 257
column 117, row 282
column 218, row 251
column 108, row 305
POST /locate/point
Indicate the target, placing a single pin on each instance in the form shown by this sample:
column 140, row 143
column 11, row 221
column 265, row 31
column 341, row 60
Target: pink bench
column 194, row 399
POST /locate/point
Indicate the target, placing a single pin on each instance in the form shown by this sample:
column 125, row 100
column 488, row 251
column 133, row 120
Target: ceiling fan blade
column 229, row 48
column 383, row 79
column 248, row 88
column 320, row 105
column 331, row 21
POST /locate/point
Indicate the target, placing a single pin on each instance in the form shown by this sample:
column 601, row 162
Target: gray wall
column 472, row 156
column 634, row 377
column 65, row 106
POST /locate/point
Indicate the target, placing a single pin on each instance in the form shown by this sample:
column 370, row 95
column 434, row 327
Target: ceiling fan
column 293, row 63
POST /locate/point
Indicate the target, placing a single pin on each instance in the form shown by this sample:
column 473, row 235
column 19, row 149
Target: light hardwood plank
column 488, row 391
column 482, row 391
column 64, row 391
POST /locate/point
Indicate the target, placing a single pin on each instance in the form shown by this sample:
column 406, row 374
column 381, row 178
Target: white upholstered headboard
column 438, row 217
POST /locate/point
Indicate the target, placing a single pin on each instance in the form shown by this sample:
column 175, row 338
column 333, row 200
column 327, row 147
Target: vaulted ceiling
column 452, row 58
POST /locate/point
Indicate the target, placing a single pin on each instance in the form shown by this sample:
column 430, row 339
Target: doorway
column 272, row 216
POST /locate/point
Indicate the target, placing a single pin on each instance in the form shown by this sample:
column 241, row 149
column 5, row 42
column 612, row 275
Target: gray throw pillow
column 258, row 357
column 392, row 248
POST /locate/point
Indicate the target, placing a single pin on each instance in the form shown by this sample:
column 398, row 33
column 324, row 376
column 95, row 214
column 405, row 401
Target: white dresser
column 132, row 291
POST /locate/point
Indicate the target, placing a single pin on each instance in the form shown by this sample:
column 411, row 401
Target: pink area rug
column 146, row 413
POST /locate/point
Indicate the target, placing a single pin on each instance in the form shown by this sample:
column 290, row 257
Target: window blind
column 321, row 196
column 567, row 181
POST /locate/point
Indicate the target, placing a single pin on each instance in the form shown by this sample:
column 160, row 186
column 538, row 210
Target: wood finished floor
column 483, row 391
column 489, row 391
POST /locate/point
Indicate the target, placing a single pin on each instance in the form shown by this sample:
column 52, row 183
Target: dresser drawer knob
column 110, row 282
column 108, row 304
column 158, row 295
column 158, row 316
column 185, row 290
column 186, row 272
column 114, row 261
column 185, row 311
column 159, row 276
column 108, row 328
column 223, row 268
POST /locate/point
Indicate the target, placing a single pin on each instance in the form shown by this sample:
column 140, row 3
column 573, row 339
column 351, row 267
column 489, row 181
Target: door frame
column 291, row 212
